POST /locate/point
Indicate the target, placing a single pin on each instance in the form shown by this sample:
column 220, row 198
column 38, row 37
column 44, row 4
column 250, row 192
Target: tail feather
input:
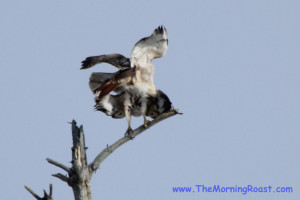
column 107, row 89
column 97, row 79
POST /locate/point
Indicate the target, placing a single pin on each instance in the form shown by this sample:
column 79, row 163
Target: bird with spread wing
column 133, row 83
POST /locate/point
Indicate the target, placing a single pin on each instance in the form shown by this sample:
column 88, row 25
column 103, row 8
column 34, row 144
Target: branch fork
column 80, row 174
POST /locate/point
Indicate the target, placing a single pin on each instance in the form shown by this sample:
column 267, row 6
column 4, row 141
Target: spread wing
column 116, row 60
column 149, row 48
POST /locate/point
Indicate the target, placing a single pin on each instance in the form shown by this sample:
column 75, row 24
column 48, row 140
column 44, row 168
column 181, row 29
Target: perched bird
column 133, row 83
column 113, row 105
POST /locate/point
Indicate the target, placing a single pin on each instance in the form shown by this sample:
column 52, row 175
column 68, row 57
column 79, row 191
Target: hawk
column 133, row 83
column 113, row 105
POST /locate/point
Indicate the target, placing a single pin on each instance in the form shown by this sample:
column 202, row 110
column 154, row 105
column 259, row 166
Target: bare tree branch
column 78, row 149
column 80, row 174
column 61, row 177
column 46, row 196
column 50, row 190
column 58, row 164
column 109, row 149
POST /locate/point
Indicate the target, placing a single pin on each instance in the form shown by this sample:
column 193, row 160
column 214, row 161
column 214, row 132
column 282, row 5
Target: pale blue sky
column 232, row 68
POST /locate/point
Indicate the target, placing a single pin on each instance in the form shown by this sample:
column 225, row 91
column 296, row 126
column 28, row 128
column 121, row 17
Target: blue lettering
column 223, row 189
column 204, row 189
column 182, row 189
column 198, row 186
column 216, row 188
column 245, row 190
column 250, row 188
column 270, row 187
column 255, row 189
column 209, row 189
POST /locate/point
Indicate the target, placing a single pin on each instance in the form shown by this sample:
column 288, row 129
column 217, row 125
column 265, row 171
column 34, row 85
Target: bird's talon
column 129, row 133
column 146, row 124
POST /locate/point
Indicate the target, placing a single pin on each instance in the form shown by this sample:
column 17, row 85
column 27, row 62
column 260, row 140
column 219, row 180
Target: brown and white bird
column 133, row 83
column 113, row 105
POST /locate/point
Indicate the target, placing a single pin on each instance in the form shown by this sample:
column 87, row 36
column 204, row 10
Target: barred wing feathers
column 112, row 105
column 117, row 60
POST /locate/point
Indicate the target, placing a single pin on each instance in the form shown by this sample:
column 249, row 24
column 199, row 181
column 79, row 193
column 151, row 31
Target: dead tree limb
column 109, row 149
column 57, row 164
column 46, row 196
column 80, row 174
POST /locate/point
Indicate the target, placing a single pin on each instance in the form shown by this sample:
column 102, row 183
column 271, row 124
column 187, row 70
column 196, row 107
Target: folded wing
column 112, row 105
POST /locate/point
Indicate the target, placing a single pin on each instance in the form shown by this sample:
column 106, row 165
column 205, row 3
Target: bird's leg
column 144, row 110
column 146, row 122
column 129, row 130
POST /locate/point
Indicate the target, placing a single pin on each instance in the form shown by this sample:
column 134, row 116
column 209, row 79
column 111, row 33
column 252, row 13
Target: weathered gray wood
column 80, row 174
column 46, row 196
column 62, row 177
column 109, row 149
column 57, row 164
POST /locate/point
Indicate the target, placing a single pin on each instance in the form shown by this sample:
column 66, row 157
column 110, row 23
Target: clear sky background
column 232, row 68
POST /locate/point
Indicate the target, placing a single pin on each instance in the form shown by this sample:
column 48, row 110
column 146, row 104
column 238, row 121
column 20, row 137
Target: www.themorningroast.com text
column 232, row 189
